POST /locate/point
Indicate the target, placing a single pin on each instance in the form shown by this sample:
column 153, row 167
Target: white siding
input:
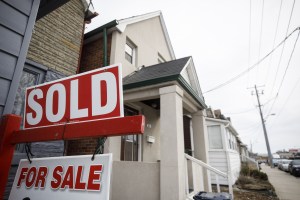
column 235, row 163
column 217, row 159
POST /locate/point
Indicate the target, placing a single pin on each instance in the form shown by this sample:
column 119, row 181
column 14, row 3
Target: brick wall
column 91, row 58
column 92, row 54
column 56, row 40
column 81, row 147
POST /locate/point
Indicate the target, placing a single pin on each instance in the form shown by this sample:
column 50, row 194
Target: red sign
column 88, row 96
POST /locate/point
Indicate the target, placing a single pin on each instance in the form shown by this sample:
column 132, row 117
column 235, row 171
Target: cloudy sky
column 226, row 38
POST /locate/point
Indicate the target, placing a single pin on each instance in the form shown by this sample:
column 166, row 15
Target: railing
column 249, row 160
column 197, row 169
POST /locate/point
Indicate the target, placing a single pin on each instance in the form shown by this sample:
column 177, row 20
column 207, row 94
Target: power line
column 283, row 47
column 276, row 31
column 237, row 113
column 249, row 44
column 252, row 67
column 260, row 35
column 289, row 96
column 287, row 67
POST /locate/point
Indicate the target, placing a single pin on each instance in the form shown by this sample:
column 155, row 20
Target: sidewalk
column 287, row 187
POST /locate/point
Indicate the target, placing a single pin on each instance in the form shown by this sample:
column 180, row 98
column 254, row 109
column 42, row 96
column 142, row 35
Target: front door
column 129, row 143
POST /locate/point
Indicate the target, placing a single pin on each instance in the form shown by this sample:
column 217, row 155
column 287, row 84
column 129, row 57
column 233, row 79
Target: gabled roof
column 161, row 73
column 121, row 25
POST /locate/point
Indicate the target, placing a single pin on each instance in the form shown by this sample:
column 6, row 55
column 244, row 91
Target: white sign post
column 59, row 178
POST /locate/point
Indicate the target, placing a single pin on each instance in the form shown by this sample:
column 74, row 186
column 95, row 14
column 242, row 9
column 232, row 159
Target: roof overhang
column 161, row 80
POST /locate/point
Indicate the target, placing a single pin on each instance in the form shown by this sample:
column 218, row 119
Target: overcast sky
column 216, row 34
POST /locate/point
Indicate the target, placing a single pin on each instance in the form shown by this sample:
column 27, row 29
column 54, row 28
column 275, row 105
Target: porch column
column 172, row 169
column 201, row 144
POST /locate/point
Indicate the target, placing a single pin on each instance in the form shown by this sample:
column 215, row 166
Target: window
column 31, row 76
column 215, row 138
column 130, row 52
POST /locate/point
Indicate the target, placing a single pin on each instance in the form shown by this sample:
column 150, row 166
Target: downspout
column 104, row 47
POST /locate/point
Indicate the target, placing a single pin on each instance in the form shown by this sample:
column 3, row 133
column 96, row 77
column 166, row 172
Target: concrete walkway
column 287, row 187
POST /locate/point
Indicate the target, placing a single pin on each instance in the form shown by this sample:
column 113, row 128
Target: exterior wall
column 92, row 54
column 218, row 160
column 149, row 38
column 225, row 160
column 235, row 165
column 151, row 151
column 135, row 180
column 17, row 19
column 56, row 40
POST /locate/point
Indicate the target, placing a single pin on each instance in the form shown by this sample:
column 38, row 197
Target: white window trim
column 133, row 47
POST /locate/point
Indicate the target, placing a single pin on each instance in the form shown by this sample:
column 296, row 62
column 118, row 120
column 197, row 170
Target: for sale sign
column 88, row 96
column 70, row 177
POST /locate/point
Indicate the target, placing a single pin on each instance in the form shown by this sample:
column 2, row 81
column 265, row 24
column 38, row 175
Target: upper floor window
column 130, row 52
column 214, row 137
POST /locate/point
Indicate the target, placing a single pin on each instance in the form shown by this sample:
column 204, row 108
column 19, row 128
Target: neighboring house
column 223, row 145
column 163, row 89
column 40, row 41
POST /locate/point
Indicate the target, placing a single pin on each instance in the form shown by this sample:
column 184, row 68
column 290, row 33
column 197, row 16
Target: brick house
column 164, row 89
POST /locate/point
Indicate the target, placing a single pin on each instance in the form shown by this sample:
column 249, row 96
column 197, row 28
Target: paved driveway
column 287, row 187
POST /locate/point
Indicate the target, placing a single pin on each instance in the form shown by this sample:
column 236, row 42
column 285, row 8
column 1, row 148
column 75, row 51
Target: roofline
column 224, row 121
column 108, row 25
column 120, row 25
column 177, row 78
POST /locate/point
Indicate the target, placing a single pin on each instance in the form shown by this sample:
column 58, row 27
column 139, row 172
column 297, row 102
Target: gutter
column 176, row 77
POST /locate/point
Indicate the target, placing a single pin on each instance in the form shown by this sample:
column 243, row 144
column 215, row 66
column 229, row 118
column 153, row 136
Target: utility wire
column 288, row 98
column 276, row 31
column 237, row 113
column 285, row 103
column 249, row 45
column 253, row 66
column 287, row 67
column 283, row 47
column 260, row 35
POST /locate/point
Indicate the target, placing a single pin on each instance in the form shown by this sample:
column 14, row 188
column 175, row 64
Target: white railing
column 198, row 181
column 249, row 160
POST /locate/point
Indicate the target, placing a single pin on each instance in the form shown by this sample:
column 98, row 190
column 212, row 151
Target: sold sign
column 88, row 96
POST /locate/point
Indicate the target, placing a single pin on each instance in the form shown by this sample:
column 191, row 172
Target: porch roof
column 161, row 73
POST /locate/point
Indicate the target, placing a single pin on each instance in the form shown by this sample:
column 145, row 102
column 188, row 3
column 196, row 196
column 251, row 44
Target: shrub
column 247, row 171
column 243, row 180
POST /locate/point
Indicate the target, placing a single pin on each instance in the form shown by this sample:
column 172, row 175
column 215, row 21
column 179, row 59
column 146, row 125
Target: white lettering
column 34, row 106
column 74, row 111
column 111, row 84
column 60, row 88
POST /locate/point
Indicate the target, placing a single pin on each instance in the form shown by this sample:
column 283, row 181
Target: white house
column 163, row 89
column 223, row 146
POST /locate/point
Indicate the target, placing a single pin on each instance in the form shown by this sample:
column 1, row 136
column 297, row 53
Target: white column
column 201, row 144
column 172, row 169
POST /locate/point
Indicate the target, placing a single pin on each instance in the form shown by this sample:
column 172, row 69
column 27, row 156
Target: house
column 40, row 41
column 166, row 91
column 223, row 145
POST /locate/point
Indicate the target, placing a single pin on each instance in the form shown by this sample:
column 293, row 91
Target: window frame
column 133, row 48
column 210, row 138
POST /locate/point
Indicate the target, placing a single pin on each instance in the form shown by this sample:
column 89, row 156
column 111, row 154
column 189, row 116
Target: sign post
column 88, row 105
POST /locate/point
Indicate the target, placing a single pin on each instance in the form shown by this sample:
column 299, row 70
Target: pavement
column 287, row 187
